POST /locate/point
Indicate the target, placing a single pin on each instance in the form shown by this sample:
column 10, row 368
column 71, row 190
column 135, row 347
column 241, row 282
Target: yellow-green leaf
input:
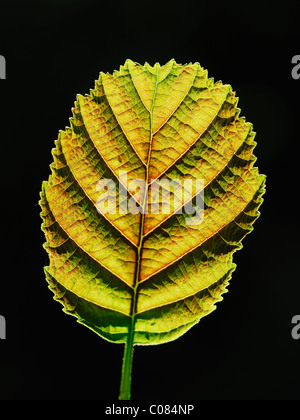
column 137, row 275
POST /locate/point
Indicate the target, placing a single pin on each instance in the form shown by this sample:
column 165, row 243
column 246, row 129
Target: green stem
column 125, row 388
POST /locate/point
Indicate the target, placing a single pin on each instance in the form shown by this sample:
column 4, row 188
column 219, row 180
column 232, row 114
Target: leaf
column 137, row 276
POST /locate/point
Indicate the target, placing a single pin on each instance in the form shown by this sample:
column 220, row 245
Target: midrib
column 141, row 233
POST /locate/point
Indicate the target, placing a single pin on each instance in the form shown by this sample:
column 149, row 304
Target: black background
column 54, row 50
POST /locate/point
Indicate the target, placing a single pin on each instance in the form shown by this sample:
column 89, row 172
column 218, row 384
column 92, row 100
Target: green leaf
column 140, row 276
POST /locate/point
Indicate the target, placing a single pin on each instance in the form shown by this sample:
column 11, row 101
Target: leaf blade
column 125, row 274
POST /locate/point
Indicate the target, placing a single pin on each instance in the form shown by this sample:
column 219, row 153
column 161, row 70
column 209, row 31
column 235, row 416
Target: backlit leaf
column 149, row 275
